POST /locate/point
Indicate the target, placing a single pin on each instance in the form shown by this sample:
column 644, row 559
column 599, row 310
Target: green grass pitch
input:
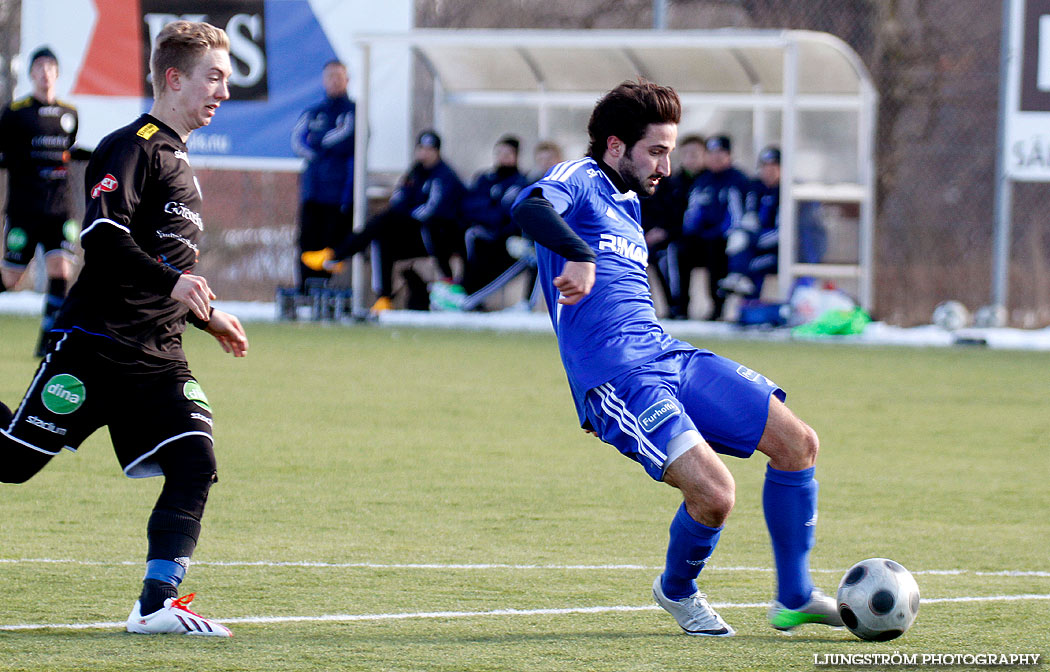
column 394, row 499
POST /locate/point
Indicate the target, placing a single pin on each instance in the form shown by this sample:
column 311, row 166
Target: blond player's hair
column 180, row 45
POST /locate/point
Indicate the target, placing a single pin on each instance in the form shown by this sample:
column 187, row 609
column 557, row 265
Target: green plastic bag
column 835, row 323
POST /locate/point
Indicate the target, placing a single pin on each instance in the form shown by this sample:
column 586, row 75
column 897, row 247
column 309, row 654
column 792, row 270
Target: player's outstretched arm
column 228, row 331
column 193, row 292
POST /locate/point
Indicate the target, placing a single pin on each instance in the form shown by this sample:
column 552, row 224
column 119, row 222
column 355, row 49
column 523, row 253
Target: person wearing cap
column 324, row 137
column 420, row 220
column 486, row 214
column 662, row 217
column 752, row 245
column 715, row 205
column 37, row 134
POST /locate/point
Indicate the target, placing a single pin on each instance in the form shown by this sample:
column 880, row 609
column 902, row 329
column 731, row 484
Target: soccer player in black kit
column 115, row 357
column 37, row 134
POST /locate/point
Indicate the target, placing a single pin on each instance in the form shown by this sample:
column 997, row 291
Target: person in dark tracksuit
column 752, row 246
column 422, row 219
column 486, row 212
column 37, row 136
column 716, row 204
column 115, row 355
column 324, row 136
column 662, row 215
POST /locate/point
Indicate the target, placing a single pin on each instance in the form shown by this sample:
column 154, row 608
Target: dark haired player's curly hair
column 627, row 110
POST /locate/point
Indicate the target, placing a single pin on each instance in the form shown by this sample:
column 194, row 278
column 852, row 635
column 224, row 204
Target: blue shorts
column 658, row 410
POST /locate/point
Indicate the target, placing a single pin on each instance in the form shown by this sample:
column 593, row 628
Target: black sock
column 153, row 595
column 56, row 294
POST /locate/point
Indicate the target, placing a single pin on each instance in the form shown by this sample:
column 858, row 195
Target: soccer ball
column 878, row 599
column 951, row 315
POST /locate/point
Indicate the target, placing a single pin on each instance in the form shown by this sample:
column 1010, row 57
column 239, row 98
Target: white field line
column 350, row 618
column 483, row 566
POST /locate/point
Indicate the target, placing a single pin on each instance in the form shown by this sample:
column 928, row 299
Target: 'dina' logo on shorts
column 658, row 414
column 63, row 394
column 192, row 390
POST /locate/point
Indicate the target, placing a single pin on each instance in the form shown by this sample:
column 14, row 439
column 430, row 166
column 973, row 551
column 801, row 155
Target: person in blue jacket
column 752, row 246
column 716, row 204
column 421, row 220
column 324, row 137
column 486, row 212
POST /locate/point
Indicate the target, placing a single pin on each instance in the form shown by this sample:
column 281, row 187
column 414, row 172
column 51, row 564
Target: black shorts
column 86, row 381
column 22, row 235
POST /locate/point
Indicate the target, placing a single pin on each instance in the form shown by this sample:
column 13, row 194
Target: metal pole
column 788, row 156
column 659, row 14
column 357, row 268
column 1003, row 184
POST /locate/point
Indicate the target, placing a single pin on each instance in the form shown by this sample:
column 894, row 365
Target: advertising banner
column 1027, row 124
column 277, row 50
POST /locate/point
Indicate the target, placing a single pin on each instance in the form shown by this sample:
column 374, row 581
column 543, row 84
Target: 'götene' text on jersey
column 142, row 230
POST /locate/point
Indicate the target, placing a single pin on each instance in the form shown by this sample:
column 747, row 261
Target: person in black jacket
column 662, row 218
column 324, row 137
column 716, row 204
column 486, row 211
column 753, row 245
column 37, row 134
column 422, row 219
column 115, row 357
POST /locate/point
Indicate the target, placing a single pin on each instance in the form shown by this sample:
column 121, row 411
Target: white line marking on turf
column 349, row 618
column 490, row 565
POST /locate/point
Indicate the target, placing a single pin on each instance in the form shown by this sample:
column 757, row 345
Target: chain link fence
column 935, row 64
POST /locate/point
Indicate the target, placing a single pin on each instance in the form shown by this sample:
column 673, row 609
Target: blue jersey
column 614, row 328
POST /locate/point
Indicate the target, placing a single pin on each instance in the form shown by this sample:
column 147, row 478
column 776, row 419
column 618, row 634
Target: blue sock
column 690, row 547
column 167, row 571
column 789, row 499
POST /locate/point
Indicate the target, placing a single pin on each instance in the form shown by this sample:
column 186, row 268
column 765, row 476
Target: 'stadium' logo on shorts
column 63, row 394
column 16, row 239
column 658, row 414
column 192, row 390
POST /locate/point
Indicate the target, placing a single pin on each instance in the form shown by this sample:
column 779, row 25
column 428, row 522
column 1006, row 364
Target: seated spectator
column 752, row 246
column 486, row 211
column 662, row 215
column 420, row 220
column 545, row 156
column 519, row 248
column 716, row 203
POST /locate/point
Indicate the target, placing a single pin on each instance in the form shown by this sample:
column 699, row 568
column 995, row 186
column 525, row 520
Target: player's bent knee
column 711, row 505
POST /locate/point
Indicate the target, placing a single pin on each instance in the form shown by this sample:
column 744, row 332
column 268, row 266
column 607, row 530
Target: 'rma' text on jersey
column 614, row 328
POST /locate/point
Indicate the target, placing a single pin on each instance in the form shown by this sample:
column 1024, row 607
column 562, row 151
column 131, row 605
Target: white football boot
column 693, row 613
column 175, row 616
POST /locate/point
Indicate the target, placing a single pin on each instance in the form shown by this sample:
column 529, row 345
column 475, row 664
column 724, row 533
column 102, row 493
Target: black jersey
column 36, row 139
column 142, row 229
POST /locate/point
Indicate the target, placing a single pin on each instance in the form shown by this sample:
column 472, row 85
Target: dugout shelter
column 805, row 91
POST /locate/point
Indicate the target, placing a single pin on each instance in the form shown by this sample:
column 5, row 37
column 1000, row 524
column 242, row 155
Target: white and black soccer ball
column 951, row 315
column 878, row 599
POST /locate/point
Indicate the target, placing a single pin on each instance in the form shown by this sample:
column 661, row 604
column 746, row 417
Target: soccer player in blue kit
column 663, row 403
